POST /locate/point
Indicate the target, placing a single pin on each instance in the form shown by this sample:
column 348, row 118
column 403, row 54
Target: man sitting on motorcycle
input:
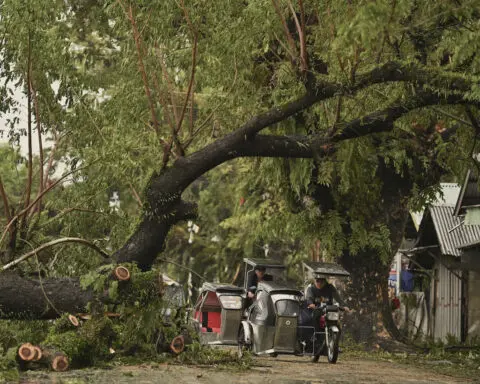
column 321, row 291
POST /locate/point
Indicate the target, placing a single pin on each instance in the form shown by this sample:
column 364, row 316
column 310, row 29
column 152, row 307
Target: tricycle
column 217, row 313
column 278, row 321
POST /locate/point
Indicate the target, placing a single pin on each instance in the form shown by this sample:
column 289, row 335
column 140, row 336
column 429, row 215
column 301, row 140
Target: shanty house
column 467, row 210
column 448, row 250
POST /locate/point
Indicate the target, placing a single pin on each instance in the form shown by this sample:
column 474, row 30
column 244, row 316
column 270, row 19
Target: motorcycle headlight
column 332, row 316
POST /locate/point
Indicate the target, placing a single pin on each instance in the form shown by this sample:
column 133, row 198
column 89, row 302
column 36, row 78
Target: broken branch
column 51, row 244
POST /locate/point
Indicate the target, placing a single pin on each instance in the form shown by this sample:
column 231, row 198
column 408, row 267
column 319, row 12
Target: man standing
column 254, row 279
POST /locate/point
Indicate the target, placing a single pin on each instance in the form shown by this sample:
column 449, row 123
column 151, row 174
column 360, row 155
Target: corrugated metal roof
column 472, row 244
column 469, row 194
column 451, row 233
column 448, row 195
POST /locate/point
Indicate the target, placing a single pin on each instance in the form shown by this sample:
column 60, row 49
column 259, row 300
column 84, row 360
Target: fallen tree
column 128, row 313
column 418, row 87
column 36, row 298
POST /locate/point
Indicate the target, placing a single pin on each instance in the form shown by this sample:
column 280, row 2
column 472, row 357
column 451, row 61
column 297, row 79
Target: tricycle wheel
column 243, row 346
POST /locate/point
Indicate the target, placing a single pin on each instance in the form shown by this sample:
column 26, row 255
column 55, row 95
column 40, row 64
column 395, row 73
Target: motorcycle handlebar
column 323, row 306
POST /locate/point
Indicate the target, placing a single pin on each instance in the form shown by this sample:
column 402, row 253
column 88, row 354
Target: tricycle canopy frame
column 316, row 270
column 269, row 264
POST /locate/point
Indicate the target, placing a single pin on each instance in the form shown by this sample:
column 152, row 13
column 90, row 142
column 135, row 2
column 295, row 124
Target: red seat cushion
column 211, row 321
column 214, row 320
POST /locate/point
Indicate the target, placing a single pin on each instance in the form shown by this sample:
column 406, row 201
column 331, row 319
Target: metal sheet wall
column 448, row 307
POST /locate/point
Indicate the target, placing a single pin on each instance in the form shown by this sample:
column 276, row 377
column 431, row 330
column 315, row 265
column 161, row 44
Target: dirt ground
column 281, row 370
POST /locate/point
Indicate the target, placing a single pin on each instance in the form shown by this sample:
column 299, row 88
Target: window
column 231, row 302
column 287, row 308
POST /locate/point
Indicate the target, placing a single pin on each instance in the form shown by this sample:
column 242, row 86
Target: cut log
column 59, row 363
column 177, row 345
column 56, row 360
column 73, row 320
column 38, row 353
column 121, row 273
column 27, row 352
column 66, row 322
column 28, row 357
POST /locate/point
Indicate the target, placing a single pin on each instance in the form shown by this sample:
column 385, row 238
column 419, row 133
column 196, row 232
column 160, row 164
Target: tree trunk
column 369, row 272
column 30, row 298
column 27, row 298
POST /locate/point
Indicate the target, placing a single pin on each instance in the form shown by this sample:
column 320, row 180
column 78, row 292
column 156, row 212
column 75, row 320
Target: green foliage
column 86, row 346
column 9, row 367
column 15, row 332
column 85, row 69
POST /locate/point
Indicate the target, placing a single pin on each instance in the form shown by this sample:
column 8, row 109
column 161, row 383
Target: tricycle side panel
column 263, row 336
column 285, row 334
column 231, row 319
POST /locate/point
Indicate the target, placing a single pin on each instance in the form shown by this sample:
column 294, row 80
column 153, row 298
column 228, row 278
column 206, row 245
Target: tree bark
column 31, row 299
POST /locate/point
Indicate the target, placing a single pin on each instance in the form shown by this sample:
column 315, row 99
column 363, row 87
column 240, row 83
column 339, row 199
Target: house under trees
column 443, row 300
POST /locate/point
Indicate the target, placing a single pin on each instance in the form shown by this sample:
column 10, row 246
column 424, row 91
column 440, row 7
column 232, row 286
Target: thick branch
column 30, row 298
column 164, row 190
column 450, row 82
column 381, row 121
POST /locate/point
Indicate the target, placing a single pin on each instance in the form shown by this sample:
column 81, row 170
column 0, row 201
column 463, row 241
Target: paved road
column 282, row 370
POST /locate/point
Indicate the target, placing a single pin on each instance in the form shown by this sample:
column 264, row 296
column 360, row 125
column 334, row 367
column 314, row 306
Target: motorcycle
column 326, row 336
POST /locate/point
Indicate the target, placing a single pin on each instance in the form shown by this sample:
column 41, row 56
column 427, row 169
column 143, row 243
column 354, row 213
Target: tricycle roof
column 267, row 263
column 273, row 287
column 319, row 269
column 222, row 288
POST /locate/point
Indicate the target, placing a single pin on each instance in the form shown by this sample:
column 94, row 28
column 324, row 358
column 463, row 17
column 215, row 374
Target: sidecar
column 271, row 323
column 217, row 314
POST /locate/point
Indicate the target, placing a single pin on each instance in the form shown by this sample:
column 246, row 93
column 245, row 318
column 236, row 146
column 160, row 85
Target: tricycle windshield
column 231, row 302
column 286, row 305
